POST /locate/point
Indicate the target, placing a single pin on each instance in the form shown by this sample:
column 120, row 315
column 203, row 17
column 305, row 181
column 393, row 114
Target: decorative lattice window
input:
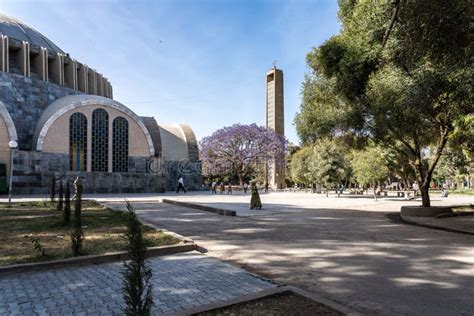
column 120, row 145
column 78, row 142
column 100, row 140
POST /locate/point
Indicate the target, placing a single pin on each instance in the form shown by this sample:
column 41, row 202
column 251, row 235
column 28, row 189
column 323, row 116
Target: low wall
column 421, row 211
column 32, row 174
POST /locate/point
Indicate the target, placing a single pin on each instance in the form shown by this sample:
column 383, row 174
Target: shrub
column 53, row 188
column 136, row 276
column 60, row 204
column 67, row 203
column 77, row 236
column 38, row 246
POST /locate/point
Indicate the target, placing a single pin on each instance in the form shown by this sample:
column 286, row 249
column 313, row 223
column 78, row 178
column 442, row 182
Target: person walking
column 246, row 187
column 213, row 187
column 229, row 189
column 222, row 187
column 266, row 187
column 180, row 185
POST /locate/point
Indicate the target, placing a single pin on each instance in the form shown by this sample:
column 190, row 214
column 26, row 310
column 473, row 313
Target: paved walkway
column 344, row 249
column 180, row 281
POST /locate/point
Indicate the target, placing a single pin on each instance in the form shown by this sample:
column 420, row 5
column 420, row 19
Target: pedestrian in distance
column 213, row 187
column 246, row 187
column 180, row 185
column 229, row 189
column 266, row 187
column 222, row 187
column 255, row 202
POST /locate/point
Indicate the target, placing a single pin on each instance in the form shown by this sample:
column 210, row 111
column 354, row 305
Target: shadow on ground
column 358, row 258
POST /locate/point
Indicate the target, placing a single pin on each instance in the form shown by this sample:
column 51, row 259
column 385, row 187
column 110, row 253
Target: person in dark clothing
column 180, row 185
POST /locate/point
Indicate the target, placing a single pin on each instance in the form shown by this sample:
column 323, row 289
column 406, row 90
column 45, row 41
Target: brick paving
column 181, row 281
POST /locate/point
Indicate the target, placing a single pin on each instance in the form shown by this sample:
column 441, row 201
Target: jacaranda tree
column 238, row 149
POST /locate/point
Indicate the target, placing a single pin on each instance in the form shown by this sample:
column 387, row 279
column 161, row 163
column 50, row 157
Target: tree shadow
column 358, row 258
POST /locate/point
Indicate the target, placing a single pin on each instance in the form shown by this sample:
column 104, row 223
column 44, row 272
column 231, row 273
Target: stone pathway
column 181, row 281
column 353, row 255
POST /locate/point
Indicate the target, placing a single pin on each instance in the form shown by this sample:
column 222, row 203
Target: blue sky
column 189, row 61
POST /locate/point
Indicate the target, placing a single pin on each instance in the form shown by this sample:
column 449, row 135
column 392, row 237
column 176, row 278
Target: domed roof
column 16, row 29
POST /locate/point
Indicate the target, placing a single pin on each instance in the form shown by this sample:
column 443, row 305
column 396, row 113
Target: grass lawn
column 103, row 231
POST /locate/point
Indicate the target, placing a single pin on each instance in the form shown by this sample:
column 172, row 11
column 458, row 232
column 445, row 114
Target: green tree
column 327, row 164
column 77, row 236
column 370, row 167
column 299, row 166
column 399, row 73
column 137, row 287
column 67, row 203
column 60, row 204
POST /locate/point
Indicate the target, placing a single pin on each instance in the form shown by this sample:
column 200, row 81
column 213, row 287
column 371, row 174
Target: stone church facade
column 63, row 116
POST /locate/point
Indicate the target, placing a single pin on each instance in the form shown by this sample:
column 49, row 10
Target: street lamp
column 12, row 144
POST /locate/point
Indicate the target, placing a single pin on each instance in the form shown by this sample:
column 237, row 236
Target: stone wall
column 191, row 172
column 33, row 171
column 26, row 99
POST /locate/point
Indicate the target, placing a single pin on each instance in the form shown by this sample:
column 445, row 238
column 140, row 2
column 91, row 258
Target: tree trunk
column 425, row 195
column 241, row 179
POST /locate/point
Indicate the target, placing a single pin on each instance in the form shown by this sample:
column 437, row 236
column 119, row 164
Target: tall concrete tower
column 275, row 119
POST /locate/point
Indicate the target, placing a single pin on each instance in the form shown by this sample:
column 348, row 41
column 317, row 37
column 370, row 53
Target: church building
column 62, row 114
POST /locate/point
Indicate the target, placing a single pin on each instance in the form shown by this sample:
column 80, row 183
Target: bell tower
column 275, row 119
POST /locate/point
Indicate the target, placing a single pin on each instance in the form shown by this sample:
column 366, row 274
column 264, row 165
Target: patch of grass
column 103, row 230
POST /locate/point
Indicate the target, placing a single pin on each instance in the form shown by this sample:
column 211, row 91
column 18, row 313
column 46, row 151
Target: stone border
column 269, row 292
column 422, row 211
column 94, row 259
column 200, row 207
column 411, row 221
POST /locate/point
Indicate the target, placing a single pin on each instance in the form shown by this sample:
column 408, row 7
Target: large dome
column 16, row 29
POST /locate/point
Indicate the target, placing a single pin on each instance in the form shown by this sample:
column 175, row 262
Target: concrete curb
column 200, row 207
column 408, row 220
column 93, row 259
column 422, row 211
column 268, row 292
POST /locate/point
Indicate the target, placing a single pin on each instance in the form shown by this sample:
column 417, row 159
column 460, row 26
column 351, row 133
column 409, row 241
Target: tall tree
column 322, row 162
column 238, row 149
column 399, row 73
column 327, row 164
column 370, row 167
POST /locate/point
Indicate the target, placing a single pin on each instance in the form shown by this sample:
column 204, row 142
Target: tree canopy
column 399, row 73
column 239, row 149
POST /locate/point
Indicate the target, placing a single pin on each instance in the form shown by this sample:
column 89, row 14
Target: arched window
column 100, row 140
column 120, row 145
column 78, row 142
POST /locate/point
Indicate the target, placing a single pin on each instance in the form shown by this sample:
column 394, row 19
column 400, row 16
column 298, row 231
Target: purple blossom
column 239, row 148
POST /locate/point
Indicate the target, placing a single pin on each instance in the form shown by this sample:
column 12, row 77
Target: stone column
column 92, row 81
column 106, row 88
column 41, row 64
column 111, row 91
column 24, row 59
column 83, row 77
column 70, row 72
column 100, row 84
column 57, row 70
column 4, row 64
